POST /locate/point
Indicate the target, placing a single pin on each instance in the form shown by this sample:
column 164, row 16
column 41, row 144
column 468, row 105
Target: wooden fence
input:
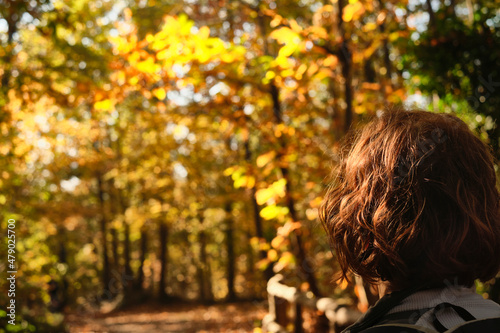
column 287, row 305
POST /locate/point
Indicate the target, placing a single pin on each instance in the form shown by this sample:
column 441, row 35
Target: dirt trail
column 180, row 318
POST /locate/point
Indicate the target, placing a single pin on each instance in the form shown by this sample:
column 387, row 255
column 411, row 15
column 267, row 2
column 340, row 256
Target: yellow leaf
column 160, row 93
column 254, row 242
column 270, row 212
column 286, row 259
column 113, row 173
column 353, row 11
column 250, row 181
column 262, row 264
column 272, row 255
column 263, row 195
column 393, row 36
column 263, row 159
column 286, row 72
column 134, row 57
column 287, row 50
column 330, row 61
column 264, row 246
column 229, row 171
column 273, row 211
column 369, row 27
column 148, row 66
column 133, row 80
column 155, row 208
column 241, row 181
column 276, row 21
column 227, row 57
column 295, row 26
column 285, row 35
column 270, row 75
column 105, row 105
column 282, row 62
column 302, row 68
column 279, row 187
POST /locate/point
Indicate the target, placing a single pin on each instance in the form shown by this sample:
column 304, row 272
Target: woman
column 414, row 208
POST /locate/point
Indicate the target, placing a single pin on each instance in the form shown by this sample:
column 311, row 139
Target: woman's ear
column 383, row 288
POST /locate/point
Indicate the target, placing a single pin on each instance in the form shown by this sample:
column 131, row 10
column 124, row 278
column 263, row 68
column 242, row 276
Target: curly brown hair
column 414, row 202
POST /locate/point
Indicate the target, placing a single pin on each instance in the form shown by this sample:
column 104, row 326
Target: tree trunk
column 470, row 12
column 432, row 17
column 115, row 210
column 103, row 226
column 63, row 296
column 305, row 270
column 142, row 258
column 200, row 268
column 230, row 274
column 114, row 247
column 250, row 267
column 126, row 244
column 259, row 232
column 385, row 47
column 204, row 278
column 345, row 58
column 123, row 208
column 11, row 20
column 126, row 253
column 163, row 260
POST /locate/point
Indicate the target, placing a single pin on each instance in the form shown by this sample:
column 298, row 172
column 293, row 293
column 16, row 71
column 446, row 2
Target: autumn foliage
column 179, row 150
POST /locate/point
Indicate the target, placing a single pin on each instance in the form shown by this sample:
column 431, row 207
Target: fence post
column 298, row 320
column 331, row 316
column 280, row 309
column 322, row 323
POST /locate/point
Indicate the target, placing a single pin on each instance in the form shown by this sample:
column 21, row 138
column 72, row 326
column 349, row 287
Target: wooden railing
column 287, row 305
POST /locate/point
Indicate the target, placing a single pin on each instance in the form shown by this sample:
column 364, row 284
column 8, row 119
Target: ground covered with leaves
column 185, row 318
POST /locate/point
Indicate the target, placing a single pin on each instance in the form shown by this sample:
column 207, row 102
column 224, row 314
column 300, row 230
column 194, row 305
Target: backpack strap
column 471, row 325
column 488, row 325
column 384, row 305
column 464, row 314
column 398, row 328
column 403, row 317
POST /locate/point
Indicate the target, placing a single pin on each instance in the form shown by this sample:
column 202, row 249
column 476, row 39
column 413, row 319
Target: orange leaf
column 277, row 241
column 263, row 159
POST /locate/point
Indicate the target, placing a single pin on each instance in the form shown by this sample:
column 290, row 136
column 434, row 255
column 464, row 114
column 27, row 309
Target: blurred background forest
column 175, row 150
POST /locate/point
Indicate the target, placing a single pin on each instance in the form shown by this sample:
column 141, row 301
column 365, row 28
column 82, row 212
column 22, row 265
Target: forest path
column 174, row 318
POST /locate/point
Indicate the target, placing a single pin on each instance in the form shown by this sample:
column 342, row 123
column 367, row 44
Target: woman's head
column 415, row 202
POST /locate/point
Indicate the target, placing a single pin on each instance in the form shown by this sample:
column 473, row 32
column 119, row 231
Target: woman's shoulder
column 446, row 305
column 461, row 296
